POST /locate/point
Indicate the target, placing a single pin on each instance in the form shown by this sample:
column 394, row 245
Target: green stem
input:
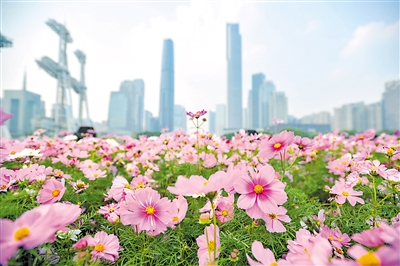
column 374, row 200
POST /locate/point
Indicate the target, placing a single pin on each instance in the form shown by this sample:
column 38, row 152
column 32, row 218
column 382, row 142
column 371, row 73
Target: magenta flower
column 273, row 220
column 4, row 116
column 198, row 185
column 35, row 227
column 179, row 212
column 263, row 255
column 197, row 114
column 277, row 144
column 208, row 245
column 52, row 191
column 224, row 211
column 105, row 246
column 261, row 193
column 147, row 211
column 343, row 192
column 383, row 256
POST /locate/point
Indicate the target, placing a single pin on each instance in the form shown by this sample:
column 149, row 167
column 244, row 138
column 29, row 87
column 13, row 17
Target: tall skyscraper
column 134, row 90
column 390, row 105
column 117, row 111
column 167, row 100
column 254, row 98
column 265, row 104
column 234, row 62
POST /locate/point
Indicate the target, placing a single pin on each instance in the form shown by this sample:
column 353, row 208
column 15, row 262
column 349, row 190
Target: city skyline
column 335, row 56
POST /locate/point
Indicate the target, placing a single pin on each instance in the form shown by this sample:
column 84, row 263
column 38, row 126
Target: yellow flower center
column 175, row 219
column 55, row 193
column 21, row 233
column 13, row 152
column 258, row 189
column 127, row 186
column 344, row 163
column 205, row 183
column 100, row 247
column 3, row 186
column 140, row 185
column 211, row 245
column 277, row 145
column 150, row 210
column 96, row 175
column 224, row 213
column 361, row 137
column 346, row 194
column 272, row 216
column 57, row 173
column 369, row 259
column 89, row 166
column 274, row 264
column 80, row 185
column 111, row 209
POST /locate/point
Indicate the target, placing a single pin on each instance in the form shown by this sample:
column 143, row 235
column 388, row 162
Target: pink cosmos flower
column 273, row 220
column 277, row 144
column 197, row 114
column 4, row 116
column 303, row 143
column 34, row 227
column 260, row 193
column 308, row 249
column 343, row 192
column 383, row 256
column 51, row 191
column 198, row 185
column 179, row 212
column 224, row 211
column 147, row 211
column 208, row 245
column 264, row 256
column 79, row 186
column 105, row 246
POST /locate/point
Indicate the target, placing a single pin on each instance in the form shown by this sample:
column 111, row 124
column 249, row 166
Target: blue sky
column 321, row 54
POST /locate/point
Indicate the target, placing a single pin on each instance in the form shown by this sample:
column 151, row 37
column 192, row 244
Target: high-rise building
column 280, row 106
column 265, row 104
column 126, row 109
column 24, row 105
column 391, row 105
column 166, row 111
column 351, row 116
column 134, row 92
column 180, row 117
column 254, row 98
column 234, row 62
column 374, row 115
column 118, row 110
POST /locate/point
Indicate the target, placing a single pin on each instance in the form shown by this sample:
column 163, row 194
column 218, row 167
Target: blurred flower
column 51, row 191
column 197, row 114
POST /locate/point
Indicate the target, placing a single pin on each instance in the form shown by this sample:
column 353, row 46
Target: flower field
column 198, row 199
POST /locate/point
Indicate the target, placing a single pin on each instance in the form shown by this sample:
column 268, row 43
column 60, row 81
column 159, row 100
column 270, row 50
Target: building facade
column 25, row 106
column 391, row 105
column 234, row 77
column 167, row 87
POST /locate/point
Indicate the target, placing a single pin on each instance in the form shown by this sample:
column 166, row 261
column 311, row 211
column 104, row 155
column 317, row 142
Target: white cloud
column 368, row 35
column 312, row 26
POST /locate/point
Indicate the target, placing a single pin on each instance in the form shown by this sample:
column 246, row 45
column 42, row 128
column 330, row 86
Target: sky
column 322, row 54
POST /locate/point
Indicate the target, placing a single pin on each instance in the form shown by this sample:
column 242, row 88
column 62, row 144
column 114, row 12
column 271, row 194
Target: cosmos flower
column 260, row 193
column 275, row 145
column 51, row 191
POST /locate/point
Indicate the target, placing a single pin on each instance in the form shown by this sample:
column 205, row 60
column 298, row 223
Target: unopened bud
column 204, row 218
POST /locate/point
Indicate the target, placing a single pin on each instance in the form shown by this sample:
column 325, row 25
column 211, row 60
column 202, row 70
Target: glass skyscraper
column 234, row 61
column 166, row 115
